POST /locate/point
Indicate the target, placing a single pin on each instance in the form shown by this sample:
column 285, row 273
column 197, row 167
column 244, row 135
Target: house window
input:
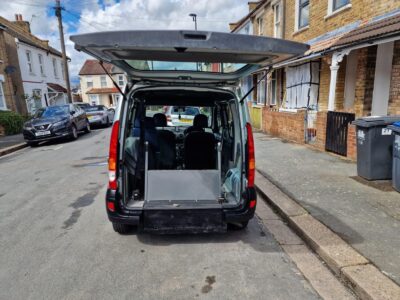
column 278, row 20
column 303, row 13
column 260, row 26
column 62, row 70
column 336, row 4
column 89, row 82
column 103, row 81
column 302, row 85
column 94, row 99
column 41, row 65
column 55, row 69
column 121, row 80
column 2, row 98
column 29, row 61
column 261, row 89
column 274, row 88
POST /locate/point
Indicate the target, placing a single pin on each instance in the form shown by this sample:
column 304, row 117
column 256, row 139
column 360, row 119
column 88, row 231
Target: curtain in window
column 302, row 86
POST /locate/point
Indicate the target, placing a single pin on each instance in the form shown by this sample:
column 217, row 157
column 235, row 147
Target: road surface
column 56, row 242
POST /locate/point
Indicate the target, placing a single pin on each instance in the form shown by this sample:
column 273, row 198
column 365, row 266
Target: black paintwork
column 73, row 116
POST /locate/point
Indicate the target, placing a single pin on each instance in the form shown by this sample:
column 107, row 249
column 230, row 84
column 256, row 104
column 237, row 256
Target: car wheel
column 74, row 133
column 121, row 228
column 238, row 226
column 87, row 128
column 33, row 144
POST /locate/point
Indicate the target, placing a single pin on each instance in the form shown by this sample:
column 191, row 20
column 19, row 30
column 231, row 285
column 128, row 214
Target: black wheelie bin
column 374, row 147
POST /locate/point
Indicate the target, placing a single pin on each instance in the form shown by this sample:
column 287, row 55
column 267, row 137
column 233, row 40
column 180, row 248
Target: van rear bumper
column 192, row 220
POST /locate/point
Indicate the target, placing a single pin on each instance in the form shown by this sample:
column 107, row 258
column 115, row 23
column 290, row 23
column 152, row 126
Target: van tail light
column 113, row 156
column 251, row 161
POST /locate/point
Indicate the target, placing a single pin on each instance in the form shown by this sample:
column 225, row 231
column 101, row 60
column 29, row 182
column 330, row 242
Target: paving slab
column 322, row 280
column 370, row 283
column 333, row 250
column 365, row 217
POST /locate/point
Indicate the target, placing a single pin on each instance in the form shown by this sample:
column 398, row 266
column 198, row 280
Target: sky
column 82, row 16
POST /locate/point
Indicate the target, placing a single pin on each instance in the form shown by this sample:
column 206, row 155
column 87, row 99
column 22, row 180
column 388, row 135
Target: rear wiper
column 254, row 86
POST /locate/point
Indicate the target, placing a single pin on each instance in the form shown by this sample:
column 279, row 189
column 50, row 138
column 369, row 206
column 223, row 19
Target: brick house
column 96, row 86
column 352, row 65
column 31, row 71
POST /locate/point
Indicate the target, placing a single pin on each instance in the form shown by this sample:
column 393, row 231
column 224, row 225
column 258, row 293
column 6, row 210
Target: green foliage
column 12, row 122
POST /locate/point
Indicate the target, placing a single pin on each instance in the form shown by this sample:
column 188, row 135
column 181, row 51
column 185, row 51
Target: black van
column 198, row 176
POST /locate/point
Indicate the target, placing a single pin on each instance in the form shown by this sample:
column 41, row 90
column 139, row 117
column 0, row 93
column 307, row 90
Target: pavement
column 329, row 198
column 56, row 241
column 11, row 143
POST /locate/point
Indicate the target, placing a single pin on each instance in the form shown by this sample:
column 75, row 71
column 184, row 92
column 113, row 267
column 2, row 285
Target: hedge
column 12, row 122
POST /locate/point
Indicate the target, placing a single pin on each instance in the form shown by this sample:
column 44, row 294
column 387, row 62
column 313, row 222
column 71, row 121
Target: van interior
column 196, row 161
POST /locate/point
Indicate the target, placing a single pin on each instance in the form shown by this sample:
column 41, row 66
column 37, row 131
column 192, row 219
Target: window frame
column 2, row 97
column 103, row 81
column 89, row 79
column 332, row 9
column 55, row 69
column 29, row 61
column 260, row 25
column 41, row 65
column 121, row 80
column 278, row 23
column 261, row 89
column 62, row 70
column 274, row 88
column 299, row 7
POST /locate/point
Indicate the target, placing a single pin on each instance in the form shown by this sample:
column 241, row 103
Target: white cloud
column 126, row 15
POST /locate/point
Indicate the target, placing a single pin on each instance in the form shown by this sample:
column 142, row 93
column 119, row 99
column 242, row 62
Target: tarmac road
column 56, row 242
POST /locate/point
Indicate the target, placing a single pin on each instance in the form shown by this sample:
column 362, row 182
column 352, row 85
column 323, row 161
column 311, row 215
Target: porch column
column 337, row 58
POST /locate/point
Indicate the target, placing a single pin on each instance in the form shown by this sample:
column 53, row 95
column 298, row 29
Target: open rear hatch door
column 178, row 55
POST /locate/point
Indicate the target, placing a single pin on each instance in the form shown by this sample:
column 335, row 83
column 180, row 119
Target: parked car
column 55, row 122
column 82, row 105
column 99, row 115
column 181, row 115
column 183, row 179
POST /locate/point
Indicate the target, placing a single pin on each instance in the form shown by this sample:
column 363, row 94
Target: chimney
column 252, row 5
column 24, row 25
column 232, row 26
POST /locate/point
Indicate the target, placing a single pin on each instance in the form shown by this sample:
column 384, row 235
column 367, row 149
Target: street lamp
column 194, row 17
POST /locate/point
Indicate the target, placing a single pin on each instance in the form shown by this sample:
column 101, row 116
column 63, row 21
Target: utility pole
column 58, row 9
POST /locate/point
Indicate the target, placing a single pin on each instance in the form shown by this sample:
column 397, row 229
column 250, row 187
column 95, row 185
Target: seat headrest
column 200, row 121
column 160, row 120
column 149, row 122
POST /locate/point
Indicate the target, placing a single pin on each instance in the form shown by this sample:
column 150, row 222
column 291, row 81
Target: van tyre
column 121, row 228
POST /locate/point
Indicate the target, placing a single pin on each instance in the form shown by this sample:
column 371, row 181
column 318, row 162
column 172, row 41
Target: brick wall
column 351, row 143
column 320, row 23
column 394, row 96
column 324, row 80
column 365, row 81
column 321, row 131
column 286, row 125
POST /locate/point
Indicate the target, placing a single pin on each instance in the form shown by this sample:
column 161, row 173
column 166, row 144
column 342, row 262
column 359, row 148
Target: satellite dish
column 9, row 69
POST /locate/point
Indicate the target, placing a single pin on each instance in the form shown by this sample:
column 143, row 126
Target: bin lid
column 395, row 127
column 373, row 121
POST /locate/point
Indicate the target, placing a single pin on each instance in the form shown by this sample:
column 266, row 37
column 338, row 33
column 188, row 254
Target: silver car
column 99, row 115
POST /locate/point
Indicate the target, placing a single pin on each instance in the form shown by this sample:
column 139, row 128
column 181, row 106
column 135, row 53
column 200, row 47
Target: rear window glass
column 150, row 65
column 94, row 108
column 188, row 110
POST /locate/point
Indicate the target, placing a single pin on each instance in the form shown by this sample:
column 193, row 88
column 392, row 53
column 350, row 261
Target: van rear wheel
column 121, row 228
